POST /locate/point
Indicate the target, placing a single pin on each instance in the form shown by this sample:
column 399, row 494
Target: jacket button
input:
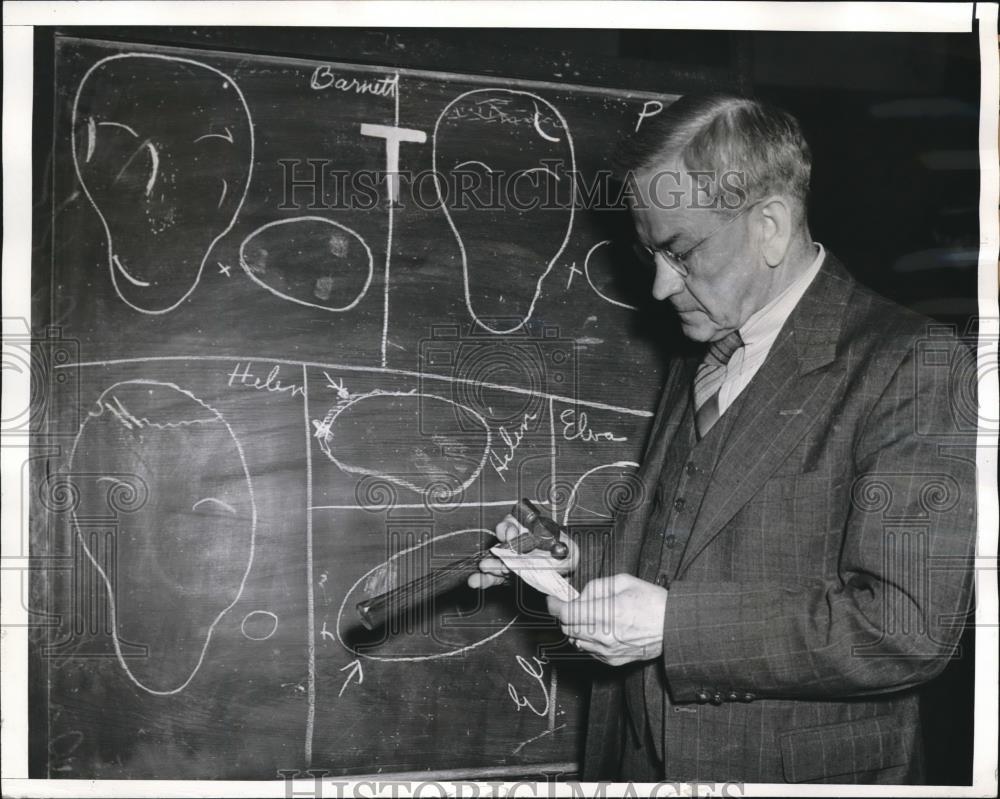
column 679, row 504
column 670, row 541
column 716, row 698
column 748, row 697
column 701, row 697
column 690, row 468
column 661, row 580
column 732, row 696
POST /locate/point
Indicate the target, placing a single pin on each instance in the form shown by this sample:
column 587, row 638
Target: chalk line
column 585, row 475
column 586, row 273
column 368, row 369
column 310, row 598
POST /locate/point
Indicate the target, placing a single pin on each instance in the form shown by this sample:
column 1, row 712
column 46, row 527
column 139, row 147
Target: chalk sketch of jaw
column 483, row 116
column 434, row 476
column 311, row 261
column 120, row 407
column 154, row 267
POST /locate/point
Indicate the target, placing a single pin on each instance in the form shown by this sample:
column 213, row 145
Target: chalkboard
column 284, row 381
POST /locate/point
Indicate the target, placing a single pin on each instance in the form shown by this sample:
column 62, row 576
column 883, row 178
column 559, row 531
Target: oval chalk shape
column 259, row 625
column 311, row 261
column 459, row 621
column 426, row 443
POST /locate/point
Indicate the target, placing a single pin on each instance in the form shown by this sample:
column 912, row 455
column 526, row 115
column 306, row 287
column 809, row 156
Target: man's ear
column 776, row 235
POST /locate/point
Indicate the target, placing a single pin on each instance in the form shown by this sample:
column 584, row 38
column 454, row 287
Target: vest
column 681, row 487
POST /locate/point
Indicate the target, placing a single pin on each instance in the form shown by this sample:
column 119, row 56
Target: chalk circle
column 438, row 487
column 353, row 596
column 311, row 261
column 256, row 623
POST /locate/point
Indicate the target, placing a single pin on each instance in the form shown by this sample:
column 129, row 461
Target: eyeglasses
column 678, row 261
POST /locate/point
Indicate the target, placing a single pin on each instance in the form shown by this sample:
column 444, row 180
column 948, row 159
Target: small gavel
column 542, row 533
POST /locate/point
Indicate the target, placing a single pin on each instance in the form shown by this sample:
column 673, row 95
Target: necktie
column 708, row 381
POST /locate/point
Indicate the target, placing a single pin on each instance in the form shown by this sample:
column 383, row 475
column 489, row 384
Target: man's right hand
column 492, row 571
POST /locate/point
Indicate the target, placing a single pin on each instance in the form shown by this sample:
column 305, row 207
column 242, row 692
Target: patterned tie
column 708, row 381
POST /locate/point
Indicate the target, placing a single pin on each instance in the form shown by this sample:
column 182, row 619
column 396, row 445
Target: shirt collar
column 765, row 323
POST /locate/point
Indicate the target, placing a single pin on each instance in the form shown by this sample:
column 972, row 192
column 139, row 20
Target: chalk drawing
column 576, row 486
column 151, row 272
column 412, row 658
column 314, row 275
column 506, row 95
column 131, row 421
column 257, row 618
column 597, row 291
column 326, row 436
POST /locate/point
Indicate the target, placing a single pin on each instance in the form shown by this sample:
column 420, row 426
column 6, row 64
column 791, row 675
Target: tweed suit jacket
column 827, row 574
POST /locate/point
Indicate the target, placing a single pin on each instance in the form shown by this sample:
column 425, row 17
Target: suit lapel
column 786, row 396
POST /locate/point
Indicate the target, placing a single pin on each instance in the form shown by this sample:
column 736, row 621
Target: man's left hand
column 616, row 619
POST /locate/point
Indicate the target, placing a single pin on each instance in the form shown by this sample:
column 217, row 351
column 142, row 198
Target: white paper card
column 537, row 572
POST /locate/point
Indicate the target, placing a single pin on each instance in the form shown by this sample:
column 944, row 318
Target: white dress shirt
column 760, row 331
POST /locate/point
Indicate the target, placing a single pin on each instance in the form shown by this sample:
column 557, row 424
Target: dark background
column 892, row 120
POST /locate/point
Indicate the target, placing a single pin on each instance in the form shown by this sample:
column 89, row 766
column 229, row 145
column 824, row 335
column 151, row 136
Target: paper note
column 537, row 572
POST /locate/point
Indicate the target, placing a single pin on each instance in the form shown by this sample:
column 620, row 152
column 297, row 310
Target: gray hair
column 725, row 135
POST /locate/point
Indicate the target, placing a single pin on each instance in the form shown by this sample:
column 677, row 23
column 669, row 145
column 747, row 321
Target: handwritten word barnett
column 269, row 383
column 325, row 78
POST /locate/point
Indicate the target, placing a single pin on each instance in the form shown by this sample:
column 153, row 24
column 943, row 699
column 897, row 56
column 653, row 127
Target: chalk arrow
column 355, row 669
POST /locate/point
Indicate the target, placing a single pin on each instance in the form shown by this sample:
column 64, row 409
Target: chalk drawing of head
column 163, row 148
column 513, row 153
column 184, row 548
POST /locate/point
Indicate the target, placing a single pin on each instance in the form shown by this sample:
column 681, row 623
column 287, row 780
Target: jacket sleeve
column 892, row 615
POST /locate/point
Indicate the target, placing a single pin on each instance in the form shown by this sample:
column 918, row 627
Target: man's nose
column 667, row 282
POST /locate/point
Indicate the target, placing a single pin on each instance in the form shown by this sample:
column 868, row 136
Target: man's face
column 728, row 279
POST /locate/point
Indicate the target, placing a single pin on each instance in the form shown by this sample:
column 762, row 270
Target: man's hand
column 493, row 572
column 616, row 619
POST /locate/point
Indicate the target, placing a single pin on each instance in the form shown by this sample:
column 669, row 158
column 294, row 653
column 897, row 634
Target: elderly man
column 802, row 562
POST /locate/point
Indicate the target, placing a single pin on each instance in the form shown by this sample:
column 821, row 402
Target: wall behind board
column 285, row 383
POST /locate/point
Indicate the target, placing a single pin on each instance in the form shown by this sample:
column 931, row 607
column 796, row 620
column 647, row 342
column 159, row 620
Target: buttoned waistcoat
column 825, row 571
